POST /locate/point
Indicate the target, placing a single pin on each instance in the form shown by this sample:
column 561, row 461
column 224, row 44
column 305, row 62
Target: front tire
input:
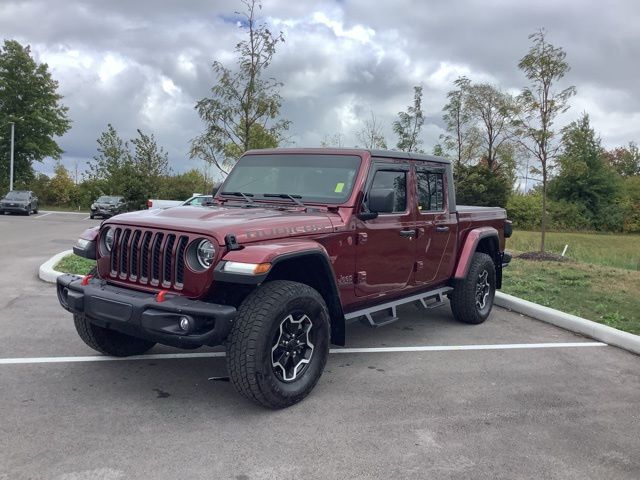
column 279, row 343
column 472, row 297
column 109, row 342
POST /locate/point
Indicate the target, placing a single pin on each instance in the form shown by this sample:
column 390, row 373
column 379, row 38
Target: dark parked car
column 108, row 206
column 19, row 201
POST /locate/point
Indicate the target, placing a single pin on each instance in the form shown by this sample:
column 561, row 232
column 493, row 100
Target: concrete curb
column 46, row 271
column 609, row 335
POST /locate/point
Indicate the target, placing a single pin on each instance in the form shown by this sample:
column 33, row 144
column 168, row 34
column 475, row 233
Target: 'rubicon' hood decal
column 247, row 224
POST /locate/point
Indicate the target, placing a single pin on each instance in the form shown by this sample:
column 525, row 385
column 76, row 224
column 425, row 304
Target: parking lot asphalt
column 567, row 412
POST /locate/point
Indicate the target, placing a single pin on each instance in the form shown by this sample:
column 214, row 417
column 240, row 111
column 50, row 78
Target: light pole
column 13, row 128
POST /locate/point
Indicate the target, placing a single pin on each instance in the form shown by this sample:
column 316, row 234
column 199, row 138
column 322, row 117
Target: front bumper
column 103, row 212
column 139, row 313
column 15, row 208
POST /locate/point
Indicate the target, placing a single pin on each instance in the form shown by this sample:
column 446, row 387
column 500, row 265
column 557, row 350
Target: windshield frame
column 349, row 189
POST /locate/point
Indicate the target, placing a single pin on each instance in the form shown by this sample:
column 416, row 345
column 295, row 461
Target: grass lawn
column 603, row 294
column 75, row 264
column 601, row 282
column 621, row 251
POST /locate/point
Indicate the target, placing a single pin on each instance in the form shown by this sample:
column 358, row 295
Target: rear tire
column 279, row 343
column 108, row 341
column 472, row 297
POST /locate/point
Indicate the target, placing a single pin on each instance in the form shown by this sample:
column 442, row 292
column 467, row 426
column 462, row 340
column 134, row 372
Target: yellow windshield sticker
column 339, row 187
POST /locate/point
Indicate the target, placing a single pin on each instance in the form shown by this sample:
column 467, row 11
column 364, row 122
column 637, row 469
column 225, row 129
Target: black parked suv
column 19, row 201
column 107, row 206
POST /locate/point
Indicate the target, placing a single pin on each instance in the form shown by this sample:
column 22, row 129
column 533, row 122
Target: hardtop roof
column 353, row 151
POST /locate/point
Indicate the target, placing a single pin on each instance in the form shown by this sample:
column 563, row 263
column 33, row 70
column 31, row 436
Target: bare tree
column 335, row 140
column 371, row 135
column 543, row 65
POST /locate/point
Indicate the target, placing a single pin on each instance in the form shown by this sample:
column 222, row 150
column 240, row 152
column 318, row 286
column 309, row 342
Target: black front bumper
column 15, row 208
column 139, row 313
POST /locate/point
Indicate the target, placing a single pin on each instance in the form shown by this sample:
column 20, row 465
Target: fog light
column 186, row 323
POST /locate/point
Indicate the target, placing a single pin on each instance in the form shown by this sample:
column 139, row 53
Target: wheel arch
column 303, row 262
column 484, row 240
column 314, row 269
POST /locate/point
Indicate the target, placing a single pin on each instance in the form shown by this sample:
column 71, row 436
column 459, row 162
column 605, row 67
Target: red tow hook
column 160, row 296
column 85, row 280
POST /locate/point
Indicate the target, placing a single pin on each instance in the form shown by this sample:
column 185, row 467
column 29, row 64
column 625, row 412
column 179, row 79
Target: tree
column 493, row 112
column 150, row 161
column 461, row 139
column 184, row 185
column 136, row 175
column 29, row 98
column 336, row 140
column 624, row 160
column 62, row 188
column 243, row 110
column 478, row 185
column 543, row 66
column 583, row 176
column 409, row 124
column 371, row 134
column 113, row 155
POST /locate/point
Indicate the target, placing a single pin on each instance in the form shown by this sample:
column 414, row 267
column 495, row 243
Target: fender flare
column 469, row 248
column 277, row 254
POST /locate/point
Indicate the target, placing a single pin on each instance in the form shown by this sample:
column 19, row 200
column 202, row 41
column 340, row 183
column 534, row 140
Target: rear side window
column 430, row 191
column 396, row 181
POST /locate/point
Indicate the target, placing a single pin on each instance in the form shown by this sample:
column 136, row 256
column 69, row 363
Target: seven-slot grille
column 148, row 257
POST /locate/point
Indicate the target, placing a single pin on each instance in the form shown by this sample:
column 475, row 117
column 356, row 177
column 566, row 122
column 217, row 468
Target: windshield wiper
column 246, row 196
column 293, row 198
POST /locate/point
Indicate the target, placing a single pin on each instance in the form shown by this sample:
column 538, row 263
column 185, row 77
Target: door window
column 394, row 182
column 430, row 191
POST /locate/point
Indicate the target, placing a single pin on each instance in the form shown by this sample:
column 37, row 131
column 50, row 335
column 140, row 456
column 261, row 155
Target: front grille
column 148, row 257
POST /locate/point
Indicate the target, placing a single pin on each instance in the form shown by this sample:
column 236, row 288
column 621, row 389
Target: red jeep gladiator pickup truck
column 297, row 243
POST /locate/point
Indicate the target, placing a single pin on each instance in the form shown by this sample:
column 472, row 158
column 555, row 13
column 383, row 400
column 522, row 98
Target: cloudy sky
column 143, row 64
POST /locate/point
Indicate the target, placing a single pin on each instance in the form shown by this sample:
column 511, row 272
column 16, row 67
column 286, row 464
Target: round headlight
column 108, row 239
column 205, row 253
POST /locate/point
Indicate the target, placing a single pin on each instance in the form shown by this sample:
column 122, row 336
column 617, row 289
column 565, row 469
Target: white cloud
column 144, row 64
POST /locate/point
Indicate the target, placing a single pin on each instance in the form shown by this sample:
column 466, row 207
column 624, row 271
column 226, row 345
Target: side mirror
column 381, row 200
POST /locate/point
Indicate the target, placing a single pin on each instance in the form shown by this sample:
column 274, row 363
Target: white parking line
column 43, row 215
column 425, row 348
column 63, row 213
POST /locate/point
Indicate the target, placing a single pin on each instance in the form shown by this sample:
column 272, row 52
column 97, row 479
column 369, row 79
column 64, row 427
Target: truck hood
column 247, row 224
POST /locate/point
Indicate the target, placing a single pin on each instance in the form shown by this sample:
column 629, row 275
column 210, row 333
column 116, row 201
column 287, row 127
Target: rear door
column 386, row 244
column 437, row 227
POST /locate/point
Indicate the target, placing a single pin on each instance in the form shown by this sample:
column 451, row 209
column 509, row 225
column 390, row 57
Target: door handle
column 408, row 233
column 442, row 228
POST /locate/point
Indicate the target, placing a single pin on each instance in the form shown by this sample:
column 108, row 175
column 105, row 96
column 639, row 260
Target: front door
column 437, row 227
column 386, row 244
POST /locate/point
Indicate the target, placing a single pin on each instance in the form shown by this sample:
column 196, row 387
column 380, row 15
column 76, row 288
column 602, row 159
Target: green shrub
column 525, row 210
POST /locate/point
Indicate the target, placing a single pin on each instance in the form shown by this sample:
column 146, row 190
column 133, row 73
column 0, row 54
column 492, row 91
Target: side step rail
column 386, row 313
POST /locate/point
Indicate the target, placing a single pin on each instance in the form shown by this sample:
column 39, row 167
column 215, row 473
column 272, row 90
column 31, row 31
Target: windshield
column 105, row 199
column 17, row 195
column 310, row 177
